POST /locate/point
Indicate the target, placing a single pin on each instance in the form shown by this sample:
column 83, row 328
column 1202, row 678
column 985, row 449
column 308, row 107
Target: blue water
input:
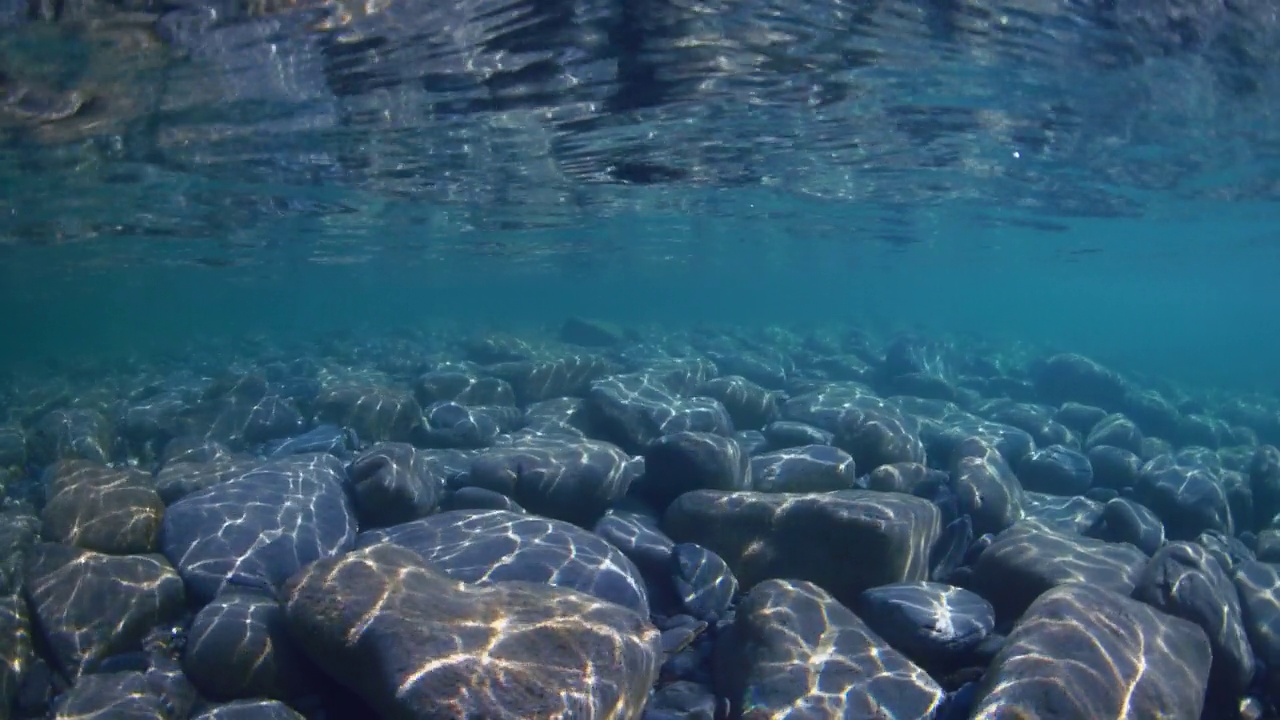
column 1086, row 175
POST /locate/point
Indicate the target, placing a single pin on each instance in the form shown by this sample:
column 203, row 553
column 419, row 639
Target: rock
column 1111, row 657
column 1228, row 551
column 393, row 483
column 337, row 441
column 1264, row 478
column 1029, row 559
column 1152, row 412
column 1080, row 418
column 448, row 424
column 681, row 700
column 1188, row 497
column 910, row 478
column 99, row 508
column 19, row 531
column 70, row 435
column 450, row 386
column 13, row 447
column 1258, row 585
column 570, row 376
column 937, row 626
column 239, row 647
column 1070, row 377
column 1183, row 580
column 631, row 411
column 1056, row 470
column 589, row 333
column 250, row 710
column 638, row 535
column 845, row 541
column 878, row 437
column 703, row 581
column 262, row 527
column 809, row 468
column 15, row 650
column 180, row 478
column 792, row 646
column 1117, row 431
column 500, row 546
column 986, row 488
column 749, row 405
column 414, row 643
column 474, row 498
column 1070, row 515
column 751, row 442
column 1269, row 546
column 1114, row 467
column 89, row 606
column 1125, row 521
column 244, row 421
column 376, row 414
column 783, row 434
column 686, row 461
column 570, row 480
column 110, row 696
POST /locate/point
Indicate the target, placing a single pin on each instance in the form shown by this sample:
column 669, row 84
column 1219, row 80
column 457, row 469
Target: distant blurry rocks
column 374, row 413
column 589, row 333
column 71, row 435
column 414, row 643
column 1075, row 378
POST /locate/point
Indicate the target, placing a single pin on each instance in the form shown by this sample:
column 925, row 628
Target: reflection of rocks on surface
column 414, row 643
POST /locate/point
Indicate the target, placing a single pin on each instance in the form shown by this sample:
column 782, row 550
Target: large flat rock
column 414, row 643
column 845, row 541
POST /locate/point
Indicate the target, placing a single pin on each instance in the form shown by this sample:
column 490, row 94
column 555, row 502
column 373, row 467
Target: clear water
column 1090, row 176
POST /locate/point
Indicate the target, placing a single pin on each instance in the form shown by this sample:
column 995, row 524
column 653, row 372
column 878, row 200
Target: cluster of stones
column 596, row 526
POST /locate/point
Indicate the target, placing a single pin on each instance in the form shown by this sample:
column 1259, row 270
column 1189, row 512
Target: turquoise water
column 1092, row 176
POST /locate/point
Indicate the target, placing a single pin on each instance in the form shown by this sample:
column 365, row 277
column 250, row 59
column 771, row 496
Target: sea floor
column 609, row 522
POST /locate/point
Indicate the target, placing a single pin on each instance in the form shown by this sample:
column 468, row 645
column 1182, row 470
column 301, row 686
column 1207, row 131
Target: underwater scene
column 639, row 359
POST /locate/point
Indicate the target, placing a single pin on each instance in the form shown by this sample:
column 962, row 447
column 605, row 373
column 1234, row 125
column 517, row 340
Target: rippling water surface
column 1094, row 173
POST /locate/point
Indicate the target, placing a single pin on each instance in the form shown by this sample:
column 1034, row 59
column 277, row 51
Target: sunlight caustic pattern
column 415, row 643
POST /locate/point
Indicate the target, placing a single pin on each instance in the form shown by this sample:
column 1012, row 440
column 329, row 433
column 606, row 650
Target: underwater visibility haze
column 643, row 359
